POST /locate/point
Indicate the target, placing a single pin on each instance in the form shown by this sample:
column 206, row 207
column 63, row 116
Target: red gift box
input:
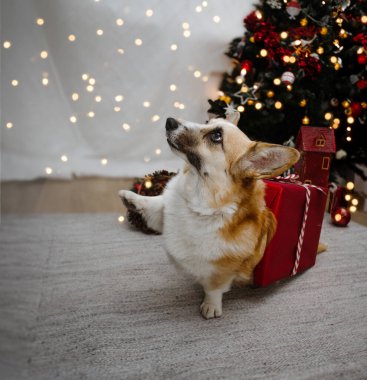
column 299, row 210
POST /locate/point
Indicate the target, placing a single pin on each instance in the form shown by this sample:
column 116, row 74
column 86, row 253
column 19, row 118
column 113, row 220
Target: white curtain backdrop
column 56, row 122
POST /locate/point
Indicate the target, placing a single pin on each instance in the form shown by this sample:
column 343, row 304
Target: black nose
column 171, row 124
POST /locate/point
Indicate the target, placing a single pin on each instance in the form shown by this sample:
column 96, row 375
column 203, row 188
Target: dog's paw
column 128, row 199
column 209, row 310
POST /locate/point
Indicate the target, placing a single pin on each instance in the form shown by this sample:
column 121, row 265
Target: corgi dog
column 212, row 214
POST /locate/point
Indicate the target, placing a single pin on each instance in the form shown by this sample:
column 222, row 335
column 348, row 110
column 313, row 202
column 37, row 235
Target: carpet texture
column 83, row 297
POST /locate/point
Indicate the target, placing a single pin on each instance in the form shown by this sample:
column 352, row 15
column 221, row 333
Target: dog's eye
column 216, row 136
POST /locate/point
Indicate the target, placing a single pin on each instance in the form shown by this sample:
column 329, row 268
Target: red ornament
column 362, row 59
column 340, row 217
column 247, row 65
column 356, row 109
column 362, row 84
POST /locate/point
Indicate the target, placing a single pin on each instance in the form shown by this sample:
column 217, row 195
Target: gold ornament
column 348, row 111
column 250, row 102
column 364, row 104
column 303, row 103
column 270, row 94
column 320, row 50
column 252, row 39
column 345, row 104
column 225, row 98
column 303, row 22
column 306, row 120
column 324, row 30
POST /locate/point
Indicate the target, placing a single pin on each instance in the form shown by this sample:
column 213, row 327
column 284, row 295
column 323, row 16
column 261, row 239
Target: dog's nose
column 171, row 124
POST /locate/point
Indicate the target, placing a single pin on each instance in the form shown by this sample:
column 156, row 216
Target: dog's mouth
column 173, row 145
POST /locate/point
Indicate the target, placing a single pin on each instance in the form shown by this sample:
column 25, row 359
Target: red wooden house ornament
column 317, row 147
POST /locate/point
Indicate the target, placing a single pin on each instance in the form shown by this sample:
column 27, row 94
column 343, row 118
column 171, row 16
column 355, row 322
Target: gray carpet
column 83, row 297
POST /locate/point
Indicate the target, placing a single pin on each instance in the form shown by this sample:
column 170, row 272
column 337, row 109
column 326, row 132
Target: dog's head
column 221, row 147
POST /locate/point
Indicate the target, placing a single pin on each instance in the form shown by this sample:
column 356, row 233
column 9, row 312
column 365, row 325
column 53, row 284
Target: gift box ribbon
column 293, row 178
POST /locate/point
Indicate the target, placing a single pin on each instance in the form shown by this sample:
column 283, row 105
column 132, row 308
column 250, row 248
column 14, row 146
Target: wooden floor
column 79, row 195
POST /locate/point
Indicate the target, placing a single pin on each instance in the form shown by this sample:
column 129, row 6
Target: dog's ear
column 233, row 117
column 264, row 160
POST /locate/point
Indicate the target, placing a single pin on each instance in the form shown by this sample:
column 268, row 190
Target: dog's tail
column 321, row 248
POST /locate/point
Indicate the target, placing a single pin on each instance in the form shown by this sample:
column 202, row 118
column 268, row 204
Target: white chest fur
column 191, row 226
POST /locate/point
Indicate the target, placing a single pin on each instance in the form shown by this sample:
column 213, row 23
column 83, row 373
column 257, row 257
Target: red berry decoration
column 340, row 217
column 362, row 59
column 356, row 109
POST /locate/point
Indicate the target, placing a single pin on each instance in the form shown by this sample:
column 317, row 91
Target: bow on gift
column 293, row 179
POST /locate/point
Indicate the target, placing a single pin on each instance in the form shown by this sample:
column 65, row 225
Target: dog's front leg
column 214, row 289
column 150, row 208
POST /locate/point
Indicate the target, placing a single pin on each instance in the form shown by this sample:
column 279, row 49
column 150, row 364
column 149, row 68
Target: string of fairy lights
column 90, row 82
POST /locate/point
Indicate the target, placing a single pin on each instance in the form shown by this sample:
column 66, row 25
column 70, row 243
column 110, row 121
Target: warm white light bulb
column 99, row 32
column 119, row 98
column 45, row 81
column 90, row 88
column 117, row 109
column 40, row 21
column 9, row 125
column 7, row 44
column 48, row 170
column 149, row 13
column 187, row 33
column 75, row 96
column 216, row 19
column 90, row 114
column 146, row 104
column 197, row 74
column 158, row 152
column 119, row 22
column 185, row 25
column 104, row 161
column 44, row 54
column 126, row 127
column 120, row 51
column 155, row 118
column 173, row 87
column 121, row 219
column 350, row 185
column 14, row 82
column 138, row 42
column 85, row 76
column 73, row 119
column 98, row 98
column 71, row 37
column 173, row 47
column 64, row 158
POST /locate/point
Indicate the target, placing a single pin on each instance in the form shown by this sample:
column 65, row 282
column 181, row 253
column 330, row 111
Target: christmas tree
column 302, row 63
